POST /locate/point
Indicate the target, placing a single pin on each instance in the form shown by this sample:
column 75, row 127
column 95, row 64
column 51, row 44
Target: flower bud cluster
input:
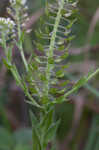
column 18, row 1
column 18, row 11
column 7, row 27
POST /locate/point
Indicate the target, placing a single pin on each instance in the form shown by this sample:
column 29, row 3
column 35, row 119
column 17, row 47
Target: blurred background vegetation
column 79, row 128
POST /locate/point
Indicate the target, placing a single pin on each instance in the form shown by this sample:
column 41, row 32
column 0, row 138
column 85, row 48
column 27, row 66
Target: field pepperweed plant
column 43, row 79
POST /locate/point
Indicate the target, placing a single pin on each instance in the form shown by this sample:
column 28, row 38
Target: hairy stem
column 20, row 42
column 88, row 78
column 51, row 48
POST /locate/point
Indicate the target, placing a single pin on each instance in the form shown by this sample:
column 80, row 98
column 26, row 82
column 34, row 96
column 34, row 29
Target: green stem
column 4, row 43
column 20, row 42
column 24, row 59
column 93, row 74
column 75, row 88
column 51, row 48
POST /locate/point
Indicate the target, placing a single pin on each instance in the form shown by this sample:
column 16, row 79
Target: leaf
column 80, row 82
column 37, row 60
column 32, row 90
column 39, row 46
column 36, row 139
column 9, row 55
column 16, row 75
column 33, row 66
column 54, row 81
column 71, row 24
column 47, row 120
column 65, row 66
column 60, row 99
column 61, row 48
column 43, row 77
column 51, row 132
column 65, row 55
column 7, row 64
column 51, row 60
column 53, row 90
column 64, row 83
column 33, row 119
column 70, row 38
column 60, row 43
column 22, row 36
column 46, row 8
column 39, row 36
column 68, row 14
column 58, row 60
column 47, row 31
column 44, row 99
column 63, row 11
column 60, row 74
column 62, row 91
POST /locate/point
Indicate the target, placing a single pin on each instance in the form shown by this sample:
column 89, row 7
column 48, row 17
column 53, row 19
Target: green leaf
column 43, row 77
column 62, row 91
column 64, row 83
column 47, row 31
column 39, row 36
column 44, row 99
column 51, row 132
column 47, row 120
column 46, row 8
column 58, row 60
column 60, row 74
column 7, row 64
column 32, row 90
column 60, row 43
column 60, row 99
column 63, row 11
column 61, row 48
column 51, row 60
column 42, row 21
column 36, row 139
column 33, row 119
column 53, row 90
column 35, row 132
column 65, row 66
column 39, row 46
column 16, row 75
column 71, row 24
column 9, row 55
column 22, row 36
column 54, row 81
column 70, row 38
column 33, row 66
column 65, row 55
column 80, row 82
column 37, row 59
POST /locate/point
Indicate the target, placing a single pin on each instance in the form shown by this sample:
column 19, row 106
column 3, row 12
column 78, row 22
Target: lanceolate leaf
column 36, row 139
column 33, row 118
column 60, row 74
column 47, row 120
column 51, row 132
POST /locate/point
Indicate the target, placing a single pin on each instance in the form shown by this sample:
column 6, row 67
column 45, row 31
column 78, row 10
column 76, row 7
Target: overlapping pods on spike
column 57, row 85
